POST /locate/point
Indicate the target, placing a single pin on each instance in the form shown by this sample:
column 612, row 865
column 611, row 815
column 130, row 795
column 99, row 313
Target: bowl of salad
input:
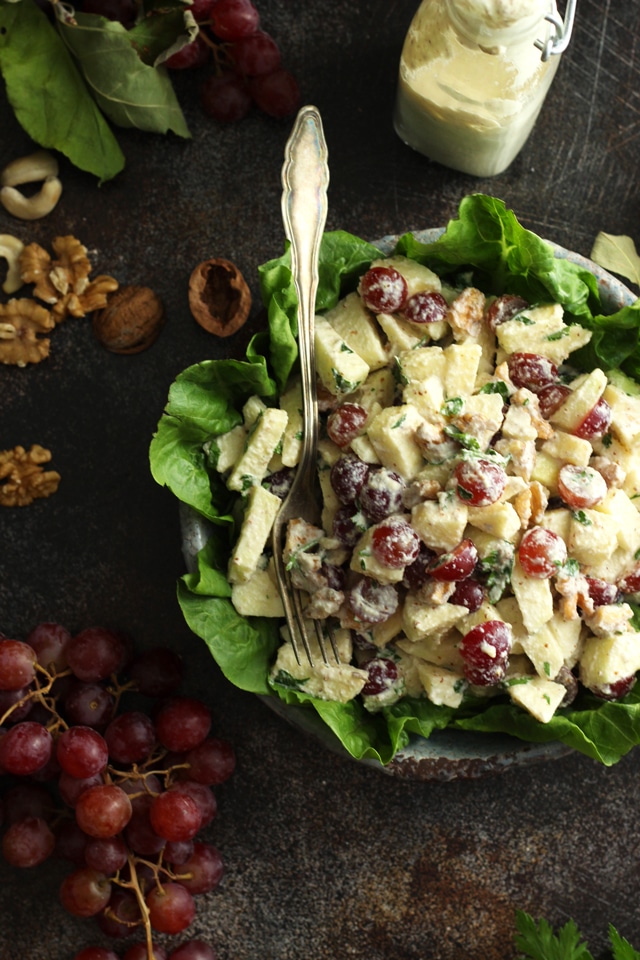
column 478, row 562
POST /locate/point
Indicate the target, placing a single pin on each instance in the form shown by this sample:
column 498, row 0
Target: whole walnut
column 131, row 321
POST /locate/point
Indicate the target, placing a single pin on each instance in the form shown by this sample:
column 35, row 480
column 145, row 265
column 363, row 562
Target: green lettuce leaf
column 48, row 95
column 128, row 91
column 487, row 242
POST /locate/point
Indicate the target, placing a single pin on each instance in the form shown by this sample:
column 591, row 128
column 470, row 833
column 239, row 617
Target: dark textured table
column 324, row 858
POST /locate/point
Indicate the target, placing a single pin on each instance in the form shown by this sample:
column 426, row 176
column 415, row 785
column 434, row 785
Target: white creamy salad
column 480, row 526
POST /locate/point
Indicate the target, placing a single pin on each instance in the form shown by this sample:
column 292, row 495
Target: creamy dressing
column 471, row 82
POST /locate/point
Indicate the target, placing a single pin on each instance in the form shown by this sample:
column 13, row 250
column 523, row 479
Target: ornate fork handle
column 305, row 178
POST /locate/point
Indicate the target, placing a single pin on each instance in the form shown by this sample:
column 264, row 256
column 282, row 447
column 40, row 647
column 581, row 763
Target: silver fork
column 305, row 178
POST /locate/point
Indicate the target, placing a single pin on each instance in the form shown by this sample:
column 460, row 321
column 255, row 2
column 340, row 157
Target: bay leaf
column 617, row 253
column 131, row 93
column 48, row 95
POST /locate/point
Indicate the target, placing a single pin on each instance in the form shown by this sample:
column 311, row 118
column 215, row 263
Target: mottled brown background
column 325, row 858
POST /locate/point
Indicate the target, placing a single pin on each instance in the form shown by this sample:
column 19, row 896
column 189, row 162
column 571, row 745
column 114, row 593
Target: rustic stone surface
column 325, row 858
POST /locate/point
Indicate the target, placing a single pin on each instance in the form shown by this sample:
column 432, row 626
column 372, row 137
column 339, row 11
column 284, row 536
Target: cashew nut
column 10, row 250
column 36, row 166
column 32, row 208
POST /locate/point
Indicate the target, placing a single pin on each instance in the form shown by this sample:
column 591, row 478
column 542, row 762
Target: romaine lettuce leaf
column 487, row 241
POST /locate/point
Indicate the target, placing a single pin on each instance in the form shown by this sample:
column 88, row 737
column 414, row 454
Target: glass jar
column 472, row 80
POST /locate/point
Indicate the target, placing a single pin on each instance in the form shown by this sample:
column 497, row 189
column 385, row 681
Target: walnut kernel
column 23, row 478
column 219, row 297
column 131, row 320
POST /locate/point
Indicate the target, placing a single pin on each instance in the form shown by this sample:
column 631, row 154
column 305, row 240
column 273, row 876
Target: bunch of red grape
column 120, row 791
column 248, row 62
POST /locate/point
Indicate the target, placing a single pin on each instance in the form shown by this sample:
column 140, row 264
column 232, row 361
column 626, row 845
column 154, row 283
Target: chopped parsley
column 452, row 407
column 496, row 386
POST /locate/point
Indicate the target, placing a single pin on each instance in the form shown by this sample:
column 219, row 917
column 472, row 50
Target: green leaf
column 48, row 95
column 242, row 648
column 537, row 941
column 622, row 949
column 131, row 93
column 617, row 253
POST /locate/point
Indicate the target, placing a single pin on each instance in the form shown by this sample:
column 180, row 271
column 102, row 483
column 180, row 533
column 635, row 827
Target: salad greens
column 485, row 242
column 538, row 941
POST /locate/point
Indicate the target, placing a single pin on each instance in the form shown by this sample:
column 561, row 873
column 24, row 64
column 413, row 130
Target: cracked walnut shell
column 22, row 323
column 23, row 478
column 131, row 320
column 219, row 297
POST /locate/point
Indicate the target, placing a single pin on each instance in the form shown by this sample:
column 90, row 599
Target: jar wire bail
column 560, row 35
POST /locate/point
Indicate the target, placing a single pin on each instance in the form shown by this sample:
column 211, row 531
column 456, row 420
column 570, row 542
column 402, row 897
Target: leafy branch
column 68, row 82
column 538, row 941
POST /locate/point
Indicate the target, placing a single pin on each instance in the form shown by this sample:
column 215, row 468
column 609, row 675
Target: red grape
column 480, row 482
column 256, row 54
column 193, row 950
column 276, row 93
column 541, row 553
column 192, row 55
column 601, row 592
column 225, row 97
column 382, row 675
column 85, row 892
column 485, row 651
column 130, row 737
column 203, row 870
column 346, row 423
column 381, row 494
column 103, row 810
column 202, row 794
column 551, row 397
column 95, row 653
column 234, row 19
column 428, row 306
column 71, row 787
column 50, row 640
column 372, row 602
column 505, row 308
column 182, row 723
column 468, row 593
column 581, row 487
column 211, row 762
column 25, row 748
column 96, row 953
column 394, row 543
column 156, row 672
column 532, row 371
column 138, row 951
column 383, row 290
column 27, row 799
column 89, row 704
column 171, row 908
column 597, row 422
column 107, row 854
column 28, row 842
column 175, row 816
column 348, row 475
column 17, row 664
column 458, row 564
column 82, row 752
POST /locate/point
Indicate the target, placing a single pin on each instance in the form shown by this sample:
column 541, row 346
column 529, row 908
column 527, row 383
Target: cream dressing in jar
column 472, row 80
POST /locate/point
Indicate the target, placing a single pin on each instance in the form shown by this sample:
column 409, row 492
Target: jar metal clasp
column 560, row 35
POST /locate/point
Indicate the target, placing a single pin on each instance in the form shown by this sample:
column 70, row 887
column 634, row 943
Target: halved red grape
column 382, row 674
column 468, row 593
column 457, row 564
column 597, row 422
column 617, row 689
column 428, row 306
column 505, row 308
column 346, row 422
column 394, row 543
column 416, row 574
column 630, row 582
column 581, row 487
column 531, row 370
column 479, row 482
column 381, row 493
column 551, row 397
column 602, row 592
column 372, row 602
column 485, row 652
column 541, row 553
column 383, row 289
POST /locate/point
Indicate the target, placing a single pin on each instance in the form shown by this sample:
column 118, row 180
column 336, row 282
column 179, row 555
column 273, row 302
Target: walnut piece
column 22, row 323
column 219, row 297
column 22, row 477
column 64, row 282
column 131, row 320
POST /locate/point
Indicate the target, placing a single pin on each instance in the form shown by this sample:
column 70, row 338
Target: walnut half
column 219, row 297
column 23, row 478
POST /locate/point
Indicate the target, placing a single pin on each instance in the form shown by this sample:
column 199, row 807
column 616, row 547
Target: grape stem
column 134, row 884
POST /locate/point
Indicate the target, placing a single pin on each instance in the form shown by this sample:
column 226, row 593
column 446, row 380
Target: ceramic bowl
column 447, row 754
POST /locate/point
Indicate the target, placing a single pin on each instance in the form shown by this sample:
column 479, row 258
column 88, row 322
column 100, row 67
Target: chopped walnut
column 22, row 325
column 614, row 475
column 520, row 454
column 529, row 402
column 435, row 592
column 574, row 591
column 466, row 314
column 22, row 477
column 64, row 282
column 531, row 504
column 610, row 619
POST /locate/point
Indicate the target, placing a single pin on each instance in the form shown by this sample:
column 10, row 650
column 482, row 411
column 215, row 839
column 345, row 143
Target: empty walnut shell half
column 131, row 320
column 219, row 297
